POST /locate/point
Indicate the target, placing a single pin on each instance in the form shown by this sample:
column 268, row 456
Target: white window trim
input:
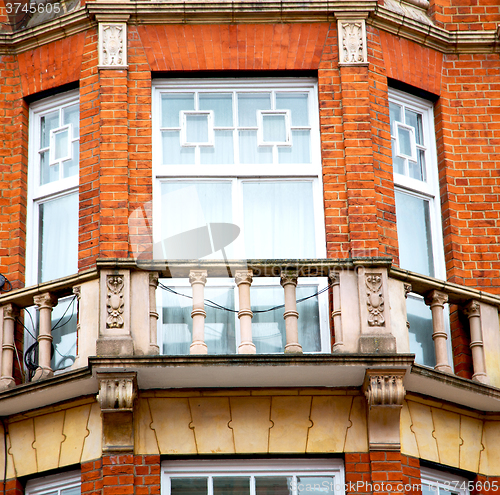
column 38, row 194
column 429, row 189
column 444, row 480
column 251, row 467
column 47, row 484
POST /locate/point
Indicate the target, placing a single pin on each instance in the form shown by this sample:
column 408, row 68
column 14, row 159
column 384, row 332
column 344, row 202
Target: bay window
column 418, row 212
column 52, row 223
column 237, row 174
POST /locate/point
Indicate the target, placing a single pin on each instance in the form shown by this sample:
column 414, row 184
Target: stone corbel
column 384, row 392
column 117, row 393
column 112, row 43
column 352, row 41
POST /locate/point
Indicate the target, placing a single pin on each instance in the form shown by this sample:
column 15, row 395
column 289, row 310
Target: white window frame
column 56, row 482
column 428, row 189
column 438, row 480
column 39, row 194
column 238, row 173
column 252, row 468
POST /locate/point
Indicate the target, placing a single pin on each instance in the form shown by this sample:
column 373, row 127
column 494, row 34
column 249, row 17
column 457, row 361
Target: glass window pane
column 188, row 486
column 420, row 318
column 273, row 485
column 427, row 490
column 300, row 151
column 315, row 484
column 64, row 341
column 298, row 105
column 70, row 167
column 398, row 163
column 58, row 231
column 61, row 139
column 47, row 123
column 421, row 164
column 222, row 106
column 173, row 153
column 250, row 152
column 222, row 153
column 395, row 116
column 273, row 128
column 414, row 170
column 414, row 233
column 278, row 219
column 71, row 491
column 414, row 120
column 177, row 324
column 171, row 106
column 231, row 486
column 71, row 115
column 48, row 173
column 268, row 329
column 404, row 140
column 197, row 128
column 187, row 235
column 248, row 104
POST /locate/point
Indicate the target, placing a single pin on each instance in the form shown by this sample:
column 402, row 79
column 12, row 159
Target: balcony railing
column 118, row 316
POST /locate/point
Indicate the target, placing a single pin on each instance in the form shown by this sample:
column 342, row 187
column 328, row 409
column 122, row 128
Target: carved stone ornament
column 472, row 309
column 113, row 45
column 115, row 303
column 288, row 278
column 375, row 300
column 385, row 389
column 116, row 391
column 352, row 42
column 198, row 277
column 243, row 277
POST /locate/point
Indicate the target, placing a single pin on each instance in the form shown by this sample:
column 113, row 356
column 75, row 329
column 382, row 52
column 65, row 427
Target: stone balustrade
column 118, row 313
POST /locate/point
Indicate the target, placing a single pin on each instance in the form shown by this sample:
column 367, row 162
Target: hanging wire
column 214, row 305
column 31, row 353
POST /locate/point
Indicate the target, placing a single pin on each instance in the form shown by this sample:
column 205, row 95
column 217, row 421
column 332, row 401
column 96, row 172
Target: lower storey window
column 250, row 477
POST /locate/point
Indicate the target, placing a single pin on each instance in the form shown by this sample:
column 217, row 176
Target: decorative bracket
column 384, row 392
column 117, row 393
column 352, row 42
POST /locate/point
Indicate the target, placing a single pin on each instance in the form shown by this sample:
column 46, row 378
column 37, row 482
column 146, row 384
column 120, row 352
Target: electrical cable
column 214, row 305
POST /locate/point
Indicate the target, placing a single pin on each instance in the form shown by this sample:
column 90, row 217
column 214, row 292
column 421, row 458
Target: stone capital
column 117, row 391
column 288, row 278
column 384, row 387
column 153, row 279
column 198, row 277
column 407, row 289
column 10, row 312
column 334, row 277
column 243, row 277
column 44, row 301
column 436, row 298
column 472, row 309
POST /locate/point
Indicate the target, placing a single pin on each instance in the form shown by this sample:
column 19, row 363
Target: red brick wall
column 92, row 482
column 11, row 487
column 411, row 475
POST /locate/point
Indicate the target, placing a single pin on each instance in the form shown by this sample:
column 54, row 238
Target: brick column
column 92, row 481
column 11, row 487
column 387, row 472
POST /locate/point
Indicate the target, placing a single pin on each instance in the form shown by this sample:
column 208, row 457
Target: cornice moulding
column 227, row 11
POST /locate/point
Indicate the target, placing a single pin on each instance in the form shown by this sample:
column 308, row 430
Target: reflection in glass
column 315, row 484
column 47, row 123
column 64, row 334
column 231, row 486
column 273, row 485
column 188, row 486
column 414, row 233
column 420, row 318
column 414, row 120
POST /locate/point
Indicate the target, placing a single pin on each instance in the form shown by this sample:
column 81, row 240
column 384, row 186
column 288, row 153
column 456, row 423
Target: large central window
column 237, row 176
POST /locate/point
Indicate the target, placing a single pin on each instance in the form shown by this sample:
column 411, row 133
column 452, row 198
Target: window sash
column 248, row 468
column 54, row 483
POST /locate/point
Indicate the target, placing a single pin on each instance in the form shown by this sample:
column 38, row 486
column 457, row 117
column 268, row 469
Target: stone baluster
column 334, row 278
column 154, row 348
column 198, row 279
column 436, row 300
column 45, row 303
column 289, row 284
column 10, row 312
column 243, row 280
column 472, row 310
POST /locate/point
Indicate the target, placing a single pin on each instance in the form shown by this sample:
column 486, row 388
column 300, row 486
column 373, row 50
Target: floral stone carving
column 375, row 300
column 115, row 303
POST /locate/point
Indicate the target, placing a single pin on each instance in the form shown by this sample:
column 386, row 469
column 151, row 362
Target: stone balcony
column 367, row 328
